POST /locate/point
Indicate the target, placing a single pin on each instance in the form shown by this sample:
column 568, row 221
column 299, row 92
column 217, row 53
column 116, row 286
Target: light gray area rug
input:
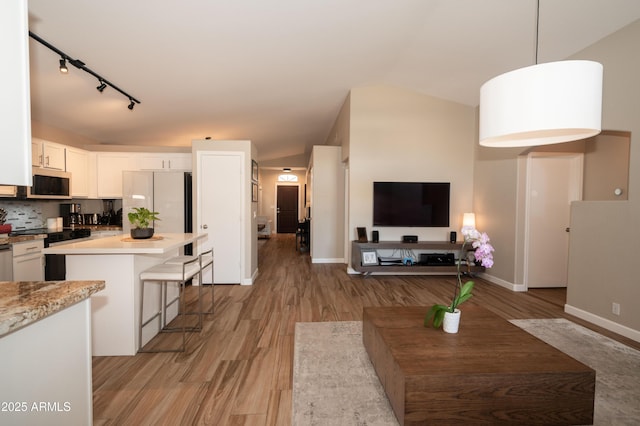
column 617, row 366
column 334, row 382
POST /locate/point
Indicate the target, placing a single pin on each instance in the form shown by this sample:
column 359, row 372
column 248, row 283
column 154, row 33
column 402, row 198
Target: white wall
column 327, row 205
column 399, row 135
column 604, row 234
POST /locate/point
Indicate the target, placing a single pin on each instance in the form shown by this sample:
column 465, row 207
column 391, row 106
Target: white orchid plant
column 484, row 254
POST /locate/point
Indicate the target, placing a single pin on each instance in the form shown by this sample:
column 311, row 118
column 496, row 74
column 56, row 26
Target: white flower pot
column 451, row 321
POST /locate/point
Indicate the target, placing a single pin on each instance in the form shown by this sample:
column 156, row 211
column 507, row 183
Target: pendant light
column 542, row 104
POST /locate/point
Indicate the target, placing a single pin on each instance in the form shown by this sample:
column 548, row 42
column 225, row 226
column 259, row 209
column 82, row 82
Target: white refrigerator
column 168, row 193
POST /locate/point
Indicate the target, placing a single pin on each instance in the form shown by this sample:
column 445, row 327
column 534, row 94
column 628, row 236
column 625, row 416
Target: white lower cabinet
column 28, row 261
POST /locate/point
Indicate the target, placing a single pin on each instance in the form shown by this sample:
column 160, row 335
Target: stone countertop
column 21, row 238
column 123, row 244
column 24, row 302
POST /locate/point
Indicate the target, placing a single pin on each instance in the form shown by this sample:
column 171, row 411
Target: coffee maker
column 71, row 214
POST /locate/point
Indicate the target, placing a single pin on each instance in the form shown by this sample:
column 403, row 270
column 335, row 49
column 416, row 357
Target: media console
column 357, row 249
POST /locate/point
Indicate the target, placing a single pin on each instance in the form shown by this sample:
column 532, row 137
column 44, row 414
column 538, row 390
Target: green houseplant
column 140, row 219
column 439, row 314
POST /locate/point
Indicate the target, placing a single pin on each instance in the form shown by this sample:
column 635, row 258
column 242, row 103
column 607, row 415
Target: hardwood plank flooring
column 238, row 369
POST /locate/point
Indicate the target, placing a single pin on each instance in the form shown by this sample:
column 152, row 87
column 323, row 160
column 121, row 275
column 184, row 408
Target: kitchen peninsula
column 119, row 260
column 45, row 355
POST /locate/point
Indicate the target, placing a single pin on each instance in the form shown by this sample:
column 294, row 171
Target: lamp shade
column 542, row 104
column 468, row 223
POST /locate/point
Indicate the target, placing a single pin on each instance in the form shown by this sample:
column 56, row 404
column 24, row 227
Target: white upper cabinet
column 164, row 161
column 15, row 104
column 48, row 155
column 109, row 167
column 77, row 161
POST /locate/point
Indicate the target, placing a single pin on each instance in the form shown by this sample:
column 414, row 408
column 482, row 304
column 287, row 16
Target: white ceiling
column 277, row 72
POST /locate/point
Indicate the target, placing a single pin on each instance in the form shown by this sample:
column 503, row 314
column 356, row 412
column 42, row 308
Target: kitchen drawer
column 27, row 247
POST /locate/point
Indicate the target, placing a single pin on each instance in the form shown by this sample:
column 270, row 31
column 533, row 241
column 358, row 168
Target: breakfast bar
column 45, row 356
column 119, row 260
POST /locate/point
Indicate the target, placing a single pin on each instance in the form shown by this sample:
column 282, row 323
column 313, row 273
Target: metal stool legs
column 206, row 259
column 164, row 273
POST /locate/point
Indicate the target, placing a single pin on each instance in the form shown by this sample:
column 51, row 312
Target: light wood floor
column 238, row 369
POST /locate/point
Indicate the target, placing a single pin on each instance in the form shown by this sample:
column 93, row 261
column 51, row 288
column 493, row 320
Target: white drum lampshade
column 468, row 223
column 542, row 104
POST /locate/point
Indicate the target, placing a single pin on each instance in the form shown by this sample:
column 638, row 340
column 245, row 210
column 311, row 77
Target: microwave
column 48, row 185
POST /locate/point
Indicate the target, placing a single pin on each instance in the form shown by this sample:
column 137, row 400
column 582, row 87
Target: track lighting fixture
column 63, row 66
column 81, row 65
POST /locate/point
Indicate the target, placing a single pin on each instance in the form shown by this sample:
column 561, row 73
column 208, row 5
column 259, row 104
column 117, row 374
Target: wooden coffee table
column 491, row 372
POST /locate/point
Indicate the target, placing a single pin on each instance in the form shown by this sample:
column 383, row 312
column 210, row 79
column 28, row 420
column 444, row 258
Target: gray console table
column 440, row 246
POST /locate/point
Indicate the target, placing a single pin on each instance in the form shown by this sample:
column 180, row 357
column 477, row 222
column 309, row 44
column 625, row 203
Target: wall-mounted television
column 414, row 204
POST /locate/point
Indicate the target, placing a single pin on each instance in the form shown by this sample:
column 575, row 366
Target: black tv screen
column 411, row 204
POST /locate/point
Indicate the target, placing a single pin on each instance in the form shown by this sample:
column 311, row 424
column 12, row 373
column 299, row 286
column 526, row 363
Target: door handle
column 205, row 226
column 566, row 229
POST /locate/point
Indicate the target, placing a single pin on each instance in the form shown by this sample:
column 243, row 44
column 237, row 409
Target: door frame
column 577, row 165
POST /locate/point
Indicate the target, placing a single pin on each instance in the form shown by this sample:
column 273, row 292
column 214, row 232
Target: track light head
column 63, row 66
column 131, row 105
column 102, row 86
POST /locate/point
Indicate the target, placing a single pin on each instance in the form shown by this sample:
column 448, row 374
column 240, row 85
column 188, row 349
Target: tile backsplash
column 29, row 214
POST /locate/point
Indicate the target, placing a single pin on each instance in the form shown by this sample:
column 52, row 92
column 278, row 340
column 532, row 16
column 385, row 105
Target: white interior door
column 553, row 182
column 219, row 183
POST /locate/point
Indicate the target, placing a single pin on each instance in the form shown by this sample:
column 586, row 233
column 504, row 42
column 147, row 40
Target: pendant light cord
column 537, row 28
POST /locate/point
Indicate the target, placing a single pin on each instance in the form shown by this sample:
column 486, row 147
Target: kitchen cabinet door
column 47, row 154
column 109, row 171
column 36, row 153
column 77, row 161
column 28, row 261
column 179, row 161
column 164, row 161
column 15, row 101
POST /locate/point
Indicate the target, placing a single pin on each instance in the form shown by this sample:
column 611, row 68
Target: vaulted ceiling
column 276, row 72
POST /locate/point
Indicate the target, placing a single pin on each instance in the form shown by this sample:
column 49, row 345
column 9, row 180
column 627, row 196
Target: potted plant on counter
column 140, row 219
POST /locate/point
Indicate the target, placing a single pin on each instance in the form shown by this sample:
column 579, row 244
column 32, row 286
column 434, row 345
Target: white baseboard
column 329, row 260
column 502, row 283
column 249, row 281
column 603, row 322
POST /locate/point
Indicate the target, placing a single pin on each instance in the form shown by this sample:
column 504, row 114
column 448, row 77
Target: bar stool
column 205, row 259
column 164, row 273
